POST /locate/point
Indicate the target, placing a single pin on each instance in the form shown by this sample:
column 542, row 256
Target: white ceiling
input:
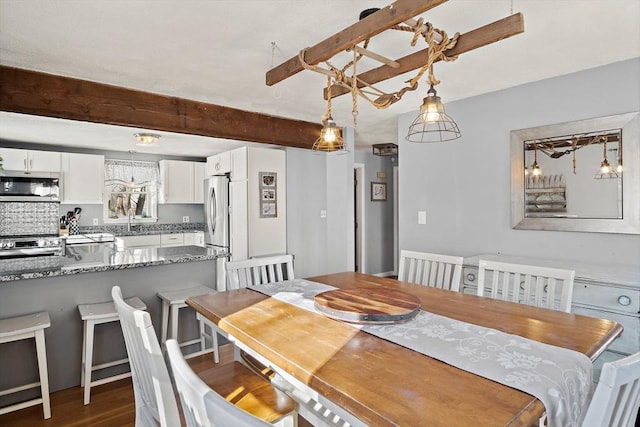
column 218, row 51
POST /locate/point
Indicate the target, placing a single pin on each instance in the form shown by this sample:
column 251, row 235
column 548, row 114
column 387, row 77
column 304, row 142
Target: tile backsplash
column 29, row 218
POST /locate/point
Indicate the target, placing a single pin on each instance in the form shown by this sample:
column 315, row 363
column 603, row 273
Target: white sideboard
column 605, row 291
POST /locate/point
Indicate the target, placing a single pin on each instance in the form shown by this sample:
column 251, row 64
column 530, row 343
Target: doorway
column 358, row 216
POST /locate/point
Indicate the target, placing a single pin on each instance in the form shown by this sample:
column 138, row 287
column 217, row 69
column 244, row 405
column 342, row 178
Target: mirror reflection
column 574, row 175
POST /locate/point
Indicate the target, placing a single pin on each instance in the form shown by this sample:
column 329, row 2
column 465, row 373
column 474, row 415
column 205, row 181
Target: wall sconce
column 146, row 139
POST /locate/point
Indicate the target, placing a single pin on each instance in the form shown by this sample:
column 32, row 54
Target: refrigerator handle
column 212, row 209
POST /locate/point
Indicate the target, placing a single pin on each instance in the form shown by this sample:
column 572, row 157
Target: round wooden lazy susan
column 368, row 305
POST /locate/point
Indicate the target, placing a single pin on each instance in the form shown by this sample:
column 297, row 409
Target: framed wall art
column 378, row 191
column 268, row 195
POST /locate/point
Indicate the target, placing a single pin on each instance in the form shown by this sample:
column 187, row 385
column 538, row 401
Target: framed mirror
column 577, row 176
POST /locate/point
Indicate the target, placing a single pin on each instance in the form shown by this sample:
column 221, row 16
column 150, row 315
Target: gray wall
column 378, row 215
column 464, row 185
column 315, row 182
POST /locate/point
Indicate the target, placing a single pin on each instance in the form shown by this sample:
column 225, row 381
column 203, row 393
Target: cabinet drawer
column 607, row 297
column 139, row 241
column 176, row 239
column 629, row 341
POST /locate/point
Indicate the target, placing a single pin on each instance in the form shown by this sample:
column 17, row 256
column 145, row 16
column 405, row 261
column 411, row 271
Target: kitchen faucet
column 130, row 220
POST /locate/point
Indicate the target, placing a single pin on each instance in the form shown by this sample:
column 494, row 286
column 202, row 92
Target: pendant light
column 433, row 124
column 605, row 171
column 330, row 139
column 535, row 169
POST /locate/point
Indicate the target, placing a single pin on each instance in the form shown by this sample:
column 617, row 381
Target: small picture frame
column 268, row 194
column 378, row 191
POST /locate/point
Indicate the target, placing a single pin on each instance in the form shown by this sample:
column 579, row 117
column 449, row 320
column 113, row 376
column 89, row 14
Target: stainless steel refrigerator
column 216, row 213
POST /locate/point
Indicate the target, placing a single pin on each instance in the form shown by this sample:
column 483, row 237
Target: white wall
column 464, row 185
column 316, row 182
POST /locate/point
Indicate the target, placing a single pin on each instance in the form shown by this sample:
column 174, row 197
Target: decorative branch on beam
column 485, row 35
column 41, row 94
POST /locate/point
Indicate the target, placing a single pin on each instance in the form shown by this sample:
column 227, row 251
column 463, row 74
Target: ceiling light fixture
column 535, row 169
column 330, row 139
column 435, row 124
column 146, row 139
column 605, row 171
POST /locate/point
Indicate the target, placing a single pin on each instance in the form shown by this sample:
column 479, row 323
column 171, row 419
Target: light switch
column 323, row 213
column 422, row 217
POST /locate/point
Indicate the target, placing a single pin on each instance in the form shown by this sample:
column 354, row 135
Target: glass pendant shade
column 330, row 138
column 433, row 124
column 605, row 171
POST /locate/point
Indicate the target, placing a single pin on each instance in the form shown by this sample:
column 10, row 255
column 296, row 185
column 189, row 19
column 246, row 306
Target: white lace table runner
column 560, row 378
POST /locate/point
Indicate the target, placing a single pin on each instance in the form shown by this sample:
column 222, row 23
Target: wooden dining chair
column 435, row 270
column 200, row 404
column 154, row 398
column 527, row 284
column 257, row 271
column 616, row 399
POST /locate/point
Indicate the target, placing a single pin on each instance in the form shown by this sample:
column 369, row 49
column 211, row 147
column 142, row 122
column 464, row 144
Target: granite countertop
column 89, row 258
column 144, row 229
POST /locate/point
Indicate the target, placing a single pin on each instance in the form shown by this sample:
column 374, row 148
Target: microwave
column 20, row 186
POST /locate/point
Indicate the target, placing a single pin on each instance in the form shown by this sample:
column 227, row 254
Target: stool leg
column 41, row 350
column 84, row 352
column 175, row 312
column 88, row 362
column 165, row 321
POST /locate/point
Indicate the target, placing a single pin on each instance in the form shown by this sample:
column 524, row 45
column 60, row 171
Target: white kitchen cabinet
column 194, row 239
column 82, row 178
column 199, row 175
column 138, row 241
column 30, row 160
column 239, row 164
column 219, row 164
column 251, row 233
column 181, row 181
column 609, row 292
column 173, row 239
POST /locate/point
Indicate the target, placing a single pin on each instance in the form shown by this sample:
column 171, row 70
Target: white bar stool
column 172, row 302
column 92, row 315
column 20, row 328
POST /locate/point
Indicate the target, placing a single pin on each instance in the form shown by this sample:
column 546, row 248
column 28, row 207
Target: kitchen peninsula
column 85, row 274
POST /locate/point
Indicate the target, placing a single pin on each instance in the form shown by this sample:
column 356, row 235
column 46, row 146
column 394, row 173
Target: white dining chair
column 201, row 406
column 527, row 284
column 435, row 270
column 153, row 392
column 616, row 399
column 257, row 271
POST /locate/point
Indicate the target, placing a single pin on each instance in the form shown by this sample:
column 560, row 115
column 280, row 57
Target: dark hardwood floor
column 112, row 405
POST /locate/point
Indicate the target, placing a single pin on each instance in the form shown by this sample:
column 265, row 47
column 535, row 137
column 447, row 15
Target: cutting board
column 368, row 305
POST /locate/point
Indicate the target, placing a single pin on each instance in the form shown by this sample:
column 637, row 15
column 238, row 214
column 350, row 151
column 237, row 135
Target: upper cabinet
column 182, row 182
column 82, row 178
column 30, row 160
column 219, row 164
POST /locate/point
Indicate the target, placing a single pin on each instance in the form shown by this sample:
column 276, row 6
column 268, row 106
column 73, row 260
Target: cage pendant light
column 330, row 139
column 605, row 171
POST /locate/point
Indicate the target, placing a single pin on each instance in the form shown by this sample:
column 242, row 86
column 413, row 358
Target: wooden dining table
column 381, row 383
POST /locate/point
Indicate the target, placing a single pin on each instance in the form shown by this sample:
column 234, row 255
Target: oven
column 30, row 246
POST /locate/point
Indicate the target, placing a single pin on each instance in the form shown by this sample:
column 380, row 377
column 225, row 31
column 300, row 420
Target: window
column 131, row 191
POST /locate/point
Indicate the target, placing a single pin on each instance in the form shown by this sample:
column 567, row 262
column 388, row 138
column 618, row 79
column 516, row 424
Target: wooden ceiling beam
column 41, row 94
column 474, row 39
column 395, row 13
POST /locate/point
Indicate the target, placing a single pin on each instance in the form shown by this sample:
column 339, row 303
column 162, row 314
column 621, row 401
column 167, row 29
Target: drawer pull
column 624, row 300
column 471, row 277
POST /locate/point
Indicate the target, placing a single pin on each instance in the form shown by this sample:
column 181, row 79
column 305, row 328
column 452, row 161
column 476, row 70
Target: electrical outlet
column 422, row 217
column 323, row 213
column 185, row 218
column 95, row 221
